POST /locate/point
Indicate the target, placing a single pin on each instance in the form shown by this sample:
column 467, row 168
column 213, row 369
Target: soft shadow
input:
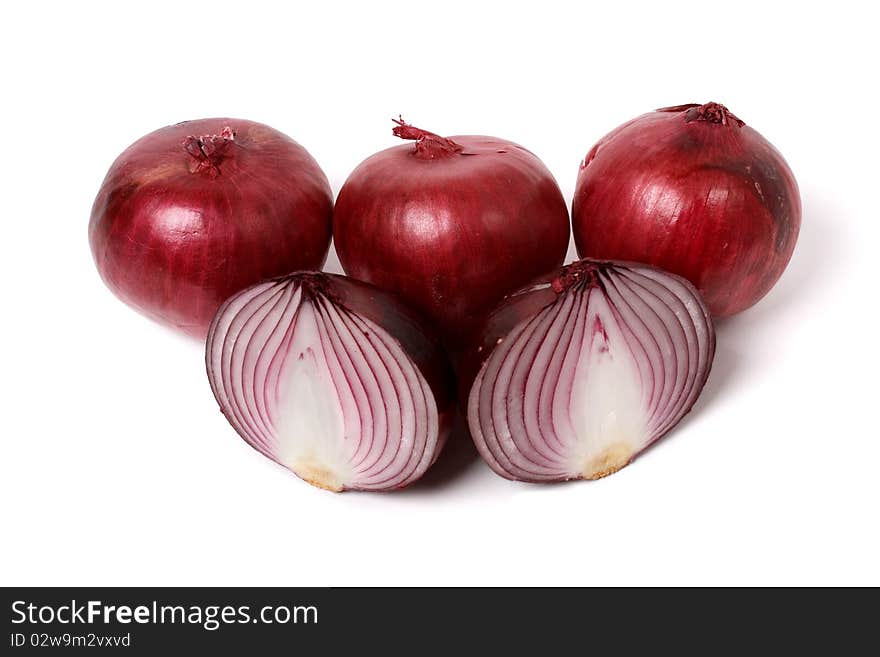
column 809, row 272
column 813, row 265
column 725, row 366
column 458, row 456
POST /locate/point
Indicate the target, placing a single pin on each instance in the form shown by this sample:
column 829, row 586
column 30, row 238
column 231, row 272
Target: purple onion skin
column 695, row 191
column 450, row 224
column 545, row 291
column 511, row 310
column 406, row 328
column 186, row 217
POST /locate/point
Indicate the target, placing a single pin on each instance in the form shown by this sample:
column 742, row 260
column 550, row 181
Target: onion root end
column 610, row 460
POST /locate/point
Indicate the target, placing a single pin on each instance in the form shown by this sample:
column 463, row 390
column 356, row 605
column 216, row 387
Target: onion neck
column 429, row 146
column 582, row 272
column 708, row 113
column 713, row 113
column 208, row 151
column 313, row 283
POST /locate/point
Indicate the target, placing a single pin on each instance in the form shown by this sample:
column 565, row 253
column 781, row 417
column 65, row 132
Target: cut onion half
column 582, row 371
column 333, row 379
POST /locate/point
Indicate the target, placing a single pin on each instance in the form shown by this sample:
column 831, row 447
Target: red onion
column 450, row 224
column 193, row 212
column 584, row 370
column 333, row 379
column 693, row 190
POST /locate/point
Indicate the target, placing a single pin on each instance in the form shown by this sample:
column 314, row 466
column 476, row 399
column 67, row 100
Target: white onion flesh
column 581, row 386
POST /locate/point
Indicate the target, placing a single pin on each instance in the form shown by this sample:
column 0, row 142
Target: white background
column 118, row 469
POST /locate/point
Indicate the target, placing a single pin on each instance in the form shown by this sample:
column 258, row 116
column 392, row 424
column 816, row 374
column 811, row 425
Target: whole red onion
column 693, row 190
column 332, row 378
column 575, row 375
column 193, row 212
column 450, row 224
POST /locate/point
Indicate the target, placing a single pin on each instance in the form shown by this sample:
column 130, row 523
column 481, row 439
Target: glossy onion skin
column 695, row 192
column 174, row 240
column 523, row 373
column 451, row 234
column 252, row 355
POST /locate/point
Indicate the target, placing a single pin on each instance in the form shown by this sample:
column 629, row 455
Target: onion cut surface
column 587, row 369
column 323, row 388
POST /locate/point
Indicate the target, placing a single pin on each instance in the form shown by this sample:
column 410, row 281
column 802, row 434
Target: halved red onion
column 585, row 369
column 333, row 379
